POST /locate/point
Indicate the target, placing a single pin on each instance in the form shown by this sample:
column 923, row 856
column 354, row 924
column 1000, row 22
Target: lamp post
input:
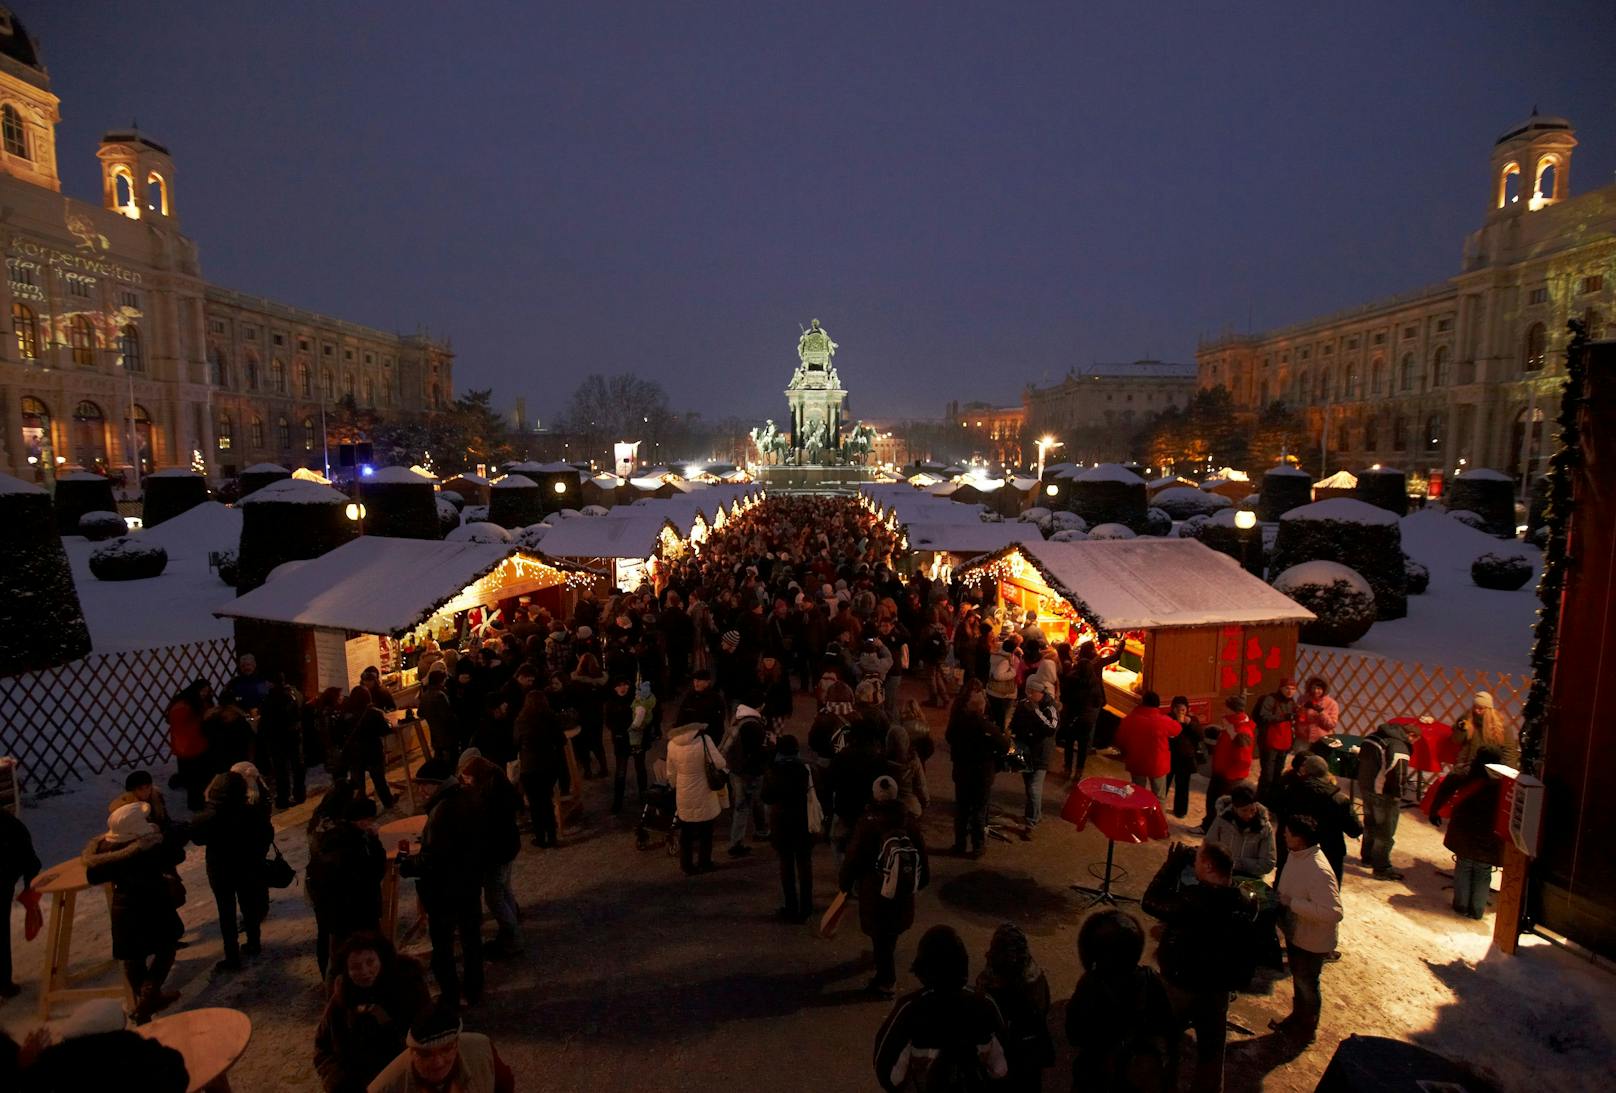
column 356, row 513
column 1044, row 444
column 1245, row 523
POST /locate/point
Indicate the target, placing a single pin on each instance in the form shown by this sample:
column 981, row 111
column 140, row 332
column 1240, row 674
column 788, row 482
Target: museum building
column 1450, row 375
column 121, row 356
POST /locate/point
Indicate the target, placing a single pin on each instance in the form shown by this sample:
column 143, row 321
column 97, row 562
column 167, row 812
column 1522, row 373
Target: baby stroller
column 658, row 815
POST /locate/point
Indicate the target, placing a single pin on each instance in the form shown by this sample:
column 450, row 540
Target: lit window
column 23, row 322
column 225, row 435
column 15, row 136
column 129, row 346
column 308, row 434
column 81, row 340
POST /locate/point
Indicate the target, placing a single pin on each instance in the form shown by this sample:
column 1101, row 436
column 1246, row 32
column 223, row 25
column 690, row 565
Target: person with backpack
column 1120, row 1021
column 886, row 860
column 943, row 1037
column 1033, row 727
column 1383, row 767
column 1207, row 947
column 1017, row 986
column 787, row 788
column 747, row 754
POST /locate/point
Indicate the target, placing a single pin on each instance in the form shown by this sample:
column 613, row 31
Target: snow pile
column 295, row 491
column 1345, row 509
column 1112, row 531
column 478, row 533
column 1111, row 472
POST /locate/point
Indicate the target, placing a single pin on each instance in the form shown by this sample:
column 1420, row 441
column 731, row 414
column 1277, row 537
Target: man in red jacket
column 1235, row 741
column 1142, row 739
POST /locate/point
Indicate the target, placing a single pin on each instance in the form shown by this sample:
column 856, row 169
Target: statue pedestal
column 815, row 477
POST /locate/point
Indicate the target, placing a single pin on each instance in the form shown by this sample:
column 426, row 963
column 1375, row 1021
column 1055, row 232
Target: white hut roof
column 295, row 491
column 968, row 538
column 623, row 537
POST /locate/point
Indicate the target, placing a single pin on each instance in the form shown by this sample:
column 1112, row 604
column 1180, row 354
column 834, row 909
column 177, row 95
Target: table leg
column 390, row 902
column 53, row 954
column 1103, row 893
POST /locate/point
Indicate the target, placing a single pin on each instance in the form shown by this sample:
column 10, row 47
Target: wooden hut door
column 1253, row 659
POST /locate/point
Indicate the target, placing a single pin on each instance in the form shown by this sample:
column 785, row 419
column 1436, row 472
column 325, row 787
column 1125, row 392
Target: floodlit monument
column 817, row 440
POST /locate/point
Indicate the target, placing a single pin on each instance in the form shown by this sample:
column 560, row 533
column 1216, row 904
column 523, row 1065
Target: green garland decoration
column 1563, row 464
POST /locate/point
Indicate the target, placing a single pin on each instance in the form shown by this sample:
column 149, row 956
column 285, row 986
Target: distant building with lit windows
column 1449, row 375
column 121, row 357
column 980, row 430
column 1098, row 409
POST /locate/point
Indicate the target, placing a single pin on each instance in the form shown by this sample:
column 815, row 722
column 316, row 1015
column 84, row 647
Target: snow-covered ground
column 173, row 608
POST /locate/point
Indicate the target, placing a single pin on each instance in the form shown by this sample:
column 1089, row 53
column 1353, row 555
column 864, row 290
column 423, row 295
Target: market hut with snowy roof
column 1183, row 619
column 1342, row 483
column 472, row 488
column 604, row 489
column 400, row 502
column 628, row 549
column 375, row 600
column 936, row 549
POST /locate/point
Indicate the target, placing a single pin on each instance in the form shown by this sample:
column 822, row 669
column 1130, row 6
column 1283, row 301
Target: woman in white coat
column 696, row 803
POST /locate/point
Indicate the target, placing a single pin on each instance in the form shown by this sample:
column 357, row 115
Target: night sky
column 969, row 196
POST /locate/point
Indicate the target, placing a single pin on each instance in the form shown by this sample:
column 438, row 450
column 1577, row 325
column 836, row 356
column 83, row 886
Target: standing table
column 63, row 883
column 210, row 1040
column 1433, row 749
column 409, row 830
column 1123, row 812
column 402, row 726
column 572, row 801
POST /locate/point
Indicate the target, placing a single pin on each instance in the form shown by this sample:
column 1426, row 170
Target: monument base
column 815, row 477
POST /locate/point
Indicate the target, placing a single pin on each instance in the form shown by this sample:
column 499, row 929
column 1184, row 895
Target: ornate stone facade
column 1097, row 409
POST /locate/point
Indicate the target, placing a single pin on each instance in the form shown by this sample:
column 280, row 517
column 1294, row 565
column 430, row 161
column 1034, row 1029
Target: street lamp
column 1245, row 523
column 356, row 512
column 1044, row 444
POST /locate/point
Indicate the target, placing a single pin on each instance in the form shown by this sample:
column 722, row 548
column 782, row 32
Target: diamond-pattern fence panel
column 1373, row 689
column 103, row 712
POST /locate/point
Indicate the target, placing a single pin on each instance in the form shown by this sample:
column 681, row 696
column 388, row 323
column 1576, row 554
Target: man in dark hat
column 439, row 1054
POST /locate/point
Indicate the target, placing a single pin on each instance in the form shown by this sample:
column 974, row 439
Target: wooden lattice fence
column 1371, row 689
column 102, row 712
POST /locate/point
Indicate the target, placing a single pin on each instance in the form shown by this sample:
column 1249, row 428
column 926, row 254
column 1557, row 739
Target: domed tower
column 1532, row 165
column 137, row 176
column 28, row 110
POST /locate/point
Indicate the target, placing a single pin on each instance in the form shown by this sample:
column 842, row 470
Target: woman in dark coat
column 1472, row 796
column 884, row 918
column 364, row 752
column 237, row 834
column 541, row 741
column 785, row 794
column 139, row 862
column 975, row 744
column 586, row 693
column 375, row 996
column 346, row 865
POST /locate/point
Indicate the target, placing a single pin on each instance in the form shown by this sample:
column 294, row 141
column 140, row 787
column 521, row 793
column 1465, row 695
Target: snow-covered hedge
column 1158, row 523
column 127, row 559
column 1109, row 494
column 474, row 514
column 399, row 503
column 515, row 502
column 1067, row 521
column 80, row 492
column 1337, row 594
column 229, row 569
column 528, row 538
column 478, row 533
column 1419, row 577
column 1070, row 535
column 1283, row 489
column 100, row 526
column 1360, row 536
column 1182, row 502
column 1039, row 517
column 1218, row 531
column 1383, row 487
column 169, row 493
column 41, row 623
column 453, row 497
column 448, row 516
column 1487, row 493
column 259, row 475
column 1112, row 531
column 1469, row 519
column 1501, row 572
column 286, row 521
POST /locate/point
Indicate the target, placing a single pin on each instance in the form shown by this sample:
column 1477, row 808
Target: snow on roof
column 943, row 489
column 972, row 538
column 1151, row 584
column 399, row 475
column 1110, row 472
column 371, row 585
column 625, row 537
column 1340, row 480
column 1346, row 509
column 1285, row 470
column 469, row 476
column 174, row 472
column 1023, row 483
column 516, row 482
column 1171, row 482
column 295, row 491
column 10, row 485
column 266, row 468
column 1485, row 474
column 81, row 476
column 607, row 481
column 1378, row 470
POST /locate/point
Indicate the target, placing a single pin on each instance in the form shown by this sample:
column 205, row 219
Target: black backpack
column 899, row 865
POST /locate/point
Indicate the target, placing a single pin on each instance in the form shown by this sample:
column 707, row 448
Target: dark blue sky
column 970, row 196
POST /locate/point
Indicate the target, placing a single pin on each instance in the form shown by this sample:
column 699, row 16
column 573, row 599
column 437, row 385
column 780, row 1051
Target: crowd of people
column 797, row 602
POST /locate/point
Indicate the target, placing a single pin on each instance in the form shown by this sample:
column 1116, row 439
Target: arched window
column 123, row 193
column 308, row 434
column 156, row 193
column 11, row 130
column 328, row 385
column 37, row 447
column 1377, row 377
column 1400, row 433
column 226, row 432
column 348, row 386
column 1405, row 373
column 1509, row 185
column 1371, row 435
column 277, row 376
column 1439, row 367
column 221, row 369
column 1534, row 348
column 1548, row 178
column 27, row 328
column 129, row 347
column 89, row 435
column 305, row 383
column 250, row 370
column 256, row 432
column 1594, row 323
column 140, row 424
column 1349, row 383
column 283, row 434
column 81, row 340
column 370, row 392
column 1433, row 433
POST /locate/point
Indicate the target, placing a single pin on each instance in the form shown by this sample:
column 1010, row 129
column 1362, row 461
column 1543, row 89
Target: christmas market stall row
column 376, row 600
column 1184, row 619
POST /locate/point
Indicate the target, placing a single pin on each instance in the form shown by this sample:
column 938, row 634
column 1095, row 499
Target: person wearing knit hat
column 138, row 788
column 886, row 860
column 440, row 1054
column 1313, row 792
column 1484, row 727
column 136, row 859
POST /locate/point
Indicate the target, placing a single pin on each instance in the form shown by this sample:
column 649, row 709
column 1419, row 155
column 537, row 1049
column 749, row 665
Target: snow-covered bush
column 1539, row 537
column 169, row 493
column 1109, row 494
column 1070, row 535
column 1384, row 487
column 99, row 526
column 228, row 569
column 448, row 516
column 478, row 533
column 259, row 475
column 594, row 510
column 1068, row 521
column 1157, row 523
column 1419, row 577
column 1219, row 532
column 1337, row 594
column 528, row 538
column 1487, row 493
column 992, row 518
column 515, row 502
column 127, row 559
column 1182, row 502
column 566, row 514
column 79, row 492
column 1469, row 519
column 41, row 623
column 1361, row 536
column 453, row 497
column 1039, row 516
column 1501, row 572
column 474, row 514
column 1111, row 531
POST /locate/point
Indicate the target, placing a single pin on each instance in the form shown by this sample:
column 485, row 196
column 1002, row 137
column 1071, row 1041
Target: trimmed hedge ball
column 1419, row 577
column 1182, row 502
column 1283, row 489
column 127, row 559
column 1385, row 488
column 529, row 537
column 448, row 516
column 1488, row 493
column 1109, row 494
column 1360, row 536
column 1112, row 531
column 474, row 514
column 229, row 569
column 1158, row 523
column 478, row 533
column 41, row 623
column 167, row 494
column 78, row 493
column 1070, row 535
column 100, row 526
column 453, row 498
column 1501, row 572
column 1337, row 594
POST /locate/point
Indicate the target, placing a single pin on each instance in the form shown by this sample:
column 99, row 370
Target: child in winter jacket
column 641, row 726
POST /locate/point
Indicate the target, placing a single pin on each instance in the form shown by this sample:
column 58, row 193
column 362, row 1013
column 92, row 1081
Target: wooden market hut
column 936, row 549
column 626, row 548
column 1189, row 620
column 472, row 488
column 324, row 620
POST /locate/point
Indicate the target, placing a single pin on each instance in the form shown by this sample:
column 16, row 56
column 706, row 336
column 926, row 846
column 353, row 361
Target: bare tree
column 604, row 410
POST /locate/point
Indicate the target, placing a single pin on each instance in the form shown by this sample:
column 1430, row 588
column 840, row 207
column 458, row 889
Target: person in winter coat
column 1313, row 793
column 696, row 803
column 1034, row 725
column 1484, row 727
column 364, row 752
column 747, row 754
column 1234, row 740
column 138, row 788
column 343, row 879
column 853, row 770
column 440, row 1057
column 1003, row 668
column 18, row 862
column 975, row 744
column 1083, row 696
column 186, row 715
column 1383, row 758
column 705, row 703
column 236, row 834
column 449, row 874
column 773, row 691
column 1275, row 716
column 786, row 787
column 943, row 1036
column 438, row 711
column 586, row 693
column 886, row 861
column 374, row 997
column 229, row 736
column 139, row 861
column 1186, row 755
column 905, row 768
column 541, row 741
column 501, row 810
column 1472, row 798
column 618, row 716
column 1317, row 714
column 1017, row 986
column 1244, row 832
column 1145, row 740
column 1120, row 1020
column 1311, row 901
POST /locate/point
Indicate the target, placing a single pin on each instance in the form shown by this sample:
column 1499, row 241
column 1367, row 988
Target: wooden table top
column 391, row 834
column 211, row 1040
column 64, row 877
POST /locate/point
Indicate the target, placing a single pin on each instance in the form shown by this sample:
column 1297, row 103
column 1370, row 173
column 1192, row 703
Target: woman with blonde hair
column 1484, row 727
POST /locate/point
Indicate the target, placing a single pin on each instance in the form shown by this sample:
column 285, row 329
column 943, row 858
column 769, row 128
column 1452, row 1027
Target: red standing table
column 1122, row 812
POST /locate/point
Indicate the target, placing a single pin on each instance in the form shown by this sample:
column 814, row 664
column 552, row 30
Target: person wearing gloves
column 137, row 860
column 1317, row 714
column 696, row 803
column 1311, row 913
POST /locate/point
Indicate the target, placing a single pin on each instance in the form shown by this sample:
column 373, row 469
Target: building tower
column 28, row 110
column 1531, row 166
column 137, row 176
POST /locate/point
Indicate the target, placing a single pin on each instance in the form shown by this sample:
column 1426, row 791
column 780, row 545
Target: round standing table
column 409, row 830
column 1122, row 812
column 63, row 883
column 210, row 1040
